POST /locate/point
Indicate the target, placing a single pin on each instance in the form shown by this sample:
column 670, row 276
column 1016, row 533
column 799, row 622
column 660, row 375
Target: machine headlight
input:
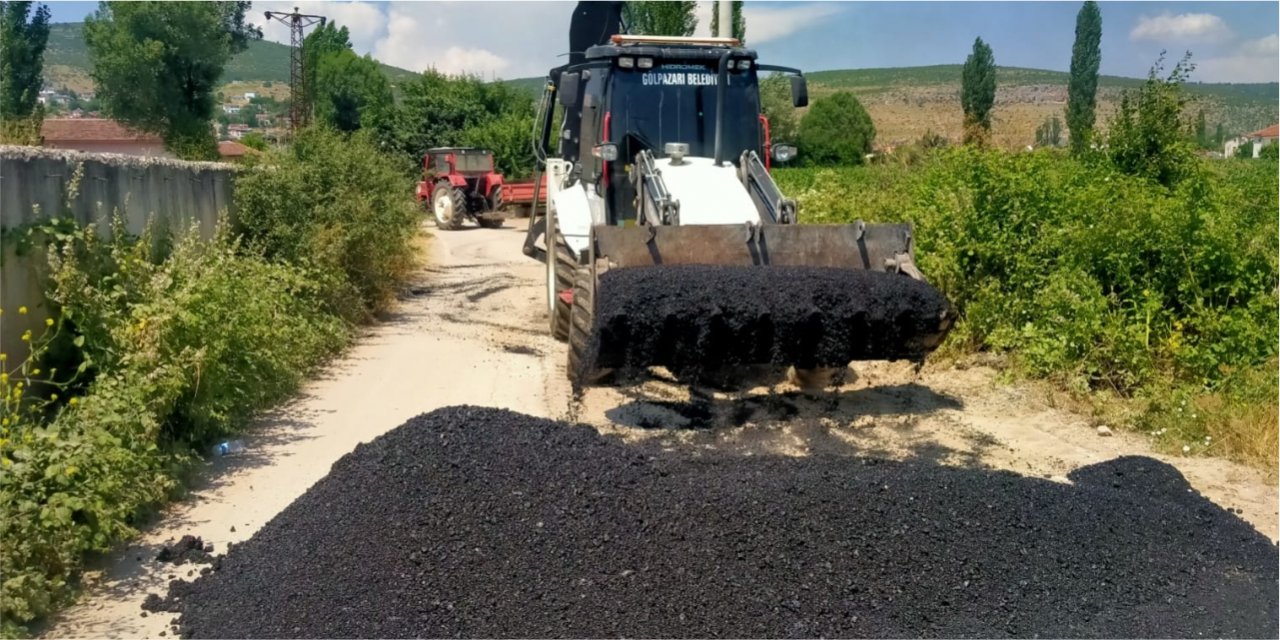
column 627, row 63
column 607, row 151
column 644, row 63
column 784, row 152
column 743, row 65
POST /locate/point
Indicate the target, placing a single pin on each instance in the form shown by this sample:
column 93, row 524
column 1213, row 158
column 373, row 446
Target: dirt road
column 473, row 332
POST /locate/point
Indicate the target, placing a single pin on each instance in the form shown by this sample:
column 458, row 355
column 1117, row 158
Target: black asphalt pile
column 188, row 549
column 694, row 318
column 470, row 522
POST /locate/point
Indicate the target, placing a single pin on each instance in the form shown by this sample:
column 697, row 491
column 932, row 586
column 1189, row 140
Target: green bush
column 1086, row 275
column 837, row 130
column 338, row 206
column 177, row 346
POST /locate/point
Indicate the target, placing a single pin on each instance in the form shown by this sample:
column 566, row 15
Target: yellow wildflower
column 53, row 396
column 22, row 311
column 74, row 401
column 35, row 372
column 4, row 378
column 48, row 322
column 26, row 336
column 4, row 357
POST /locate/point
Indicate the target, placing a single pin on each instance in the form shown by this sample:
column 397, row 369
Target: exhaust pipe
column 722, row 79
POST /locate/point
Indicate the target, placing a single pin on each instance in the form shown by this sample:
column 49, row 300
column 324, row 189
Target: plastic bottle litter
column 229, row 448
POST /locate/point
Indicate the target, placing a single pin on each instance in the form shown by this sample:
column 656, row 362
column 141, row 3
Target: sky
column 1230, row 41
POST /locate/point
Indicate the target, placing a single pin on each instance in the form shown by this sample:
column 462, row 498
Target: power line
column 299, row 98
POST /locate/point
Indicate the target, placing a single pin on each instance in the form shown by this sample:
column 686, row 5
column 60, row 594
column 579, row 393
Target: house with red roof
column 100, row 135
column 1260, row 139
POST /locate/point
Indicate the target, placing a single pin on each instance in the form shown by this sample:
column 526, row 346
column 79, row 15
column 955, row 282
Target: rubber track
column 476, row 522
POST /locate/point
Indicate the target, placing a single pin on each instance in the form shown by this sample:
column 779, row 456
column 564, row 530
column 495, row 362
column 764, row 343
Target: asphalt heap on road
column 472, row 522
column 692, row 318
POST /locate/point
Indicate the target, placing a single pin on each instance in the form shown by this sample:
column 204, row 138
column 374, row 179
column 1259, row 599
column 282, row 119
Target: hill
column 66, row 61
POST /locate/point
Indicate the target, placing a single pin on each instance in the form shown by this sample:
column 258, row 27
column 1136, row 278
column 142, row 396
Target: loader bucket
column 708, row 297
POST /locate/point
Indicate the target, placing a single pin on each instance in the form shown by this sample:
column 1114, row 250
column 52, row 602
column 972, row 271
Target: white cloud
column 1268, row 46
column 409, row 45
column 1251, row 61
column 771, row 23
column 1185, row 27
column 506, row 39
column 503, row 39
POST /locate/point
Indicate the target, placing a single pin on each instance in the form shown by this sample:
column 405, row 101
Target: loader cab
column 629, row 97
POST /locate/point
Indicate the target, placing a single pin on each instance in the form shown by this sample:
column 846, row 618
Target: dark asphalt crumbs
column 188, row 549
column 691, row 318
column 471, row 522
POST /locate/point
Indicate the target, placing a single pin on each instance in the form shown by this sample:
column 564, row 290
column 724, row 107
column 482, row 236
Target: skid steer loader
column 661, row 169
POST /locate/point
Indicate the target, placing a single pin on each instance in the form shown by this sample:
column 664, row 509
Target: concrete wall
column 139, row 148
column 34, row 184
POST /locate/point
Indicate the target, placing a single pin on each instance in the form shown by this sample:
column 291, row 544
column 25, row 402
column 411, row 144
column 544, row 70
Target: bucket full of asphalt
column 696, row 318
column 476, row 522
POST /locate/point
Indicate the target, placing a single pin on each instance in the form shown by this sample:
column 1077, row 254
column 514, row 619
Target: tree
column 837, row 130
column 157, row 65
column 254, row 140
column 978, row 91
column 1269, row 152
column 322, row 41
column 249, row 114
column 775, row 103
column 739, row 22
column 660, row 18
column 1147, row 136
column 507, row 136
column 351, row 92
column 1219, row 135
column 1202, row 131
column 22, row 42
column 1049, row 134
column 1082, row 88
column 438, row 111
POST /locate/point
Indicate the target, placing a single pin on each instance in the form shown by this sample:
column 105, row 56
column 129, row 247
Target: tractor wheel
column 580, row 323
column 565, row 266
column 449, row 206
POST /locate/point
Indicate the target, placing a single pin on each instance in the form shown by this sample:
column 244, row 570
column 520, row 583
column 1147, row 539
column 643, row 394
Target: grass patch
column 1158, row 305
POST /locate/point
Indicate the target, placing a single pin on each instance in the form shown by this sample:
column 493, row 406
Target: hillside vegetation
column 67, row 61
column 907, row 102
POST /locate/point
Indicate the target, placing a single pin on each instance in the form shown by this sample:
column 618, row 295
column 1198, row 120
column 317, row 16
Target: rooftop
column 92, row 130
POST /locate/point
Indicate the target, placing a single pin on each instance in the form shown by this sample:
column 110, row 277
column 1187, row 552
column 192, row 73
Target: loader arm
column 764, row 191
column 655, row 205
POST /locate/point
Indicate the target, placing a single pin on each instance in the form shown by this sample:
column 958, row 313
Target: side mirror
column 784, row 152
column 799, row 92
column 567, row 92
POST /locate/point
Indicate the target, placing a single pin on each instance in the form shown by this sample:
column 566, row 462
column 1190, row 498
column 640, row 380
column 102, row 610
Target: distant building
column 1259, row 139
column 230, row 150
column 263, row 119
column 237, row 131
column 231, row 109
column 249, row 95
column 100, row 135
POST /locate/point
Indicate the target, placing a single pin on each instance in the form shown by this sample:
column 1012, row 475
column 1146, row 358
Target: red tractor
column 460, row 184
